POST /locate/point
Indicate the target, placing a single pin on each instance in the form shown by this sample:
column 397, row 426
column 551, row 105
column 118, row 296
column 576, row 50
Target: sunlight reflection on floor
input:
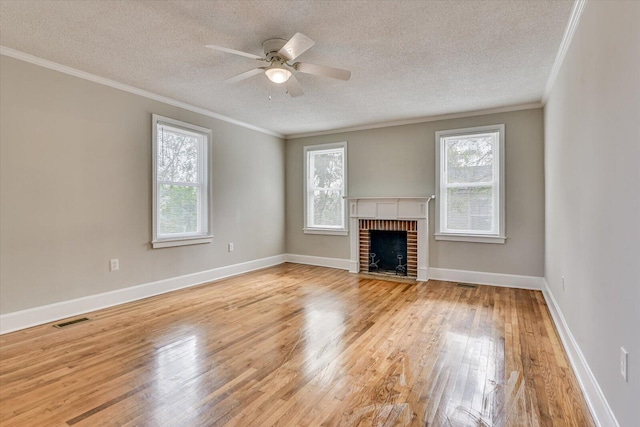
column 175, row 364
column 323, row 333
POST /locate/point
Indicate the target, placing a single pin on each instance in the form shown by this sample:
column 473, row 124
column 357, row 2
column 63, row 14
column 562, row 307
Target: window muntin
column 181, row 183
column 470, row 183
column 325, row 187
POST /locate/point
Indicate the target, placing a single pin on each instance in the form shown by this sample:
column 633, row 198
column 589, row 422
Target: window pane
column 470, row 209
column 177, row 156
column 470, row 158
column 328, row 169
column 178, row 209
column 327, row 208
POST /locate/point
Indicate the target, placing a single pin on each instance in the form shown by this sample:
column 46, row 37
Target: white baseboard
column 48, row 313
column 339, row 263
column 494, row 279
column 481, row 278
column 600, row 409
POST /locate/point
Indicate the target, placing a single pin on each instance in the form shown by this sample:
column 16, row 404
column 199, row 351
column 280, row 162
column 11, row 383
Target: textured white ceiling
column 409, row 59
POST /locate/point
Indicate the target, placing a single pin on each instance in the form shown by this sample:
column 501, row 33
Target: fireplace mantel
column 390, row 208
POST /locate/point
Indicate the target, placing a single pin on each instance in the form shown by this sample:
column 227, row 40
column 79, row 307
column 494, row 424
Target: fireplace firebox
column 388, row 252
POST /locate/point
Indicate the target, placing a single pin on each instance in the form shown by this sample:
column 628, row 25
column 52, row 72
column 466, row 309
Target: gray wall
column 75, row 190
column 400, row 161
column 592, row 170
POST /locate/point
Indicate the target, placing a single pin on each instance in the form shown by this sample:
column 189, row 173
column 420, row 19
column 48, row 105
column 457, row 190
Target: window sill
column 167, row 243
column 327, row 231
column 474, row 238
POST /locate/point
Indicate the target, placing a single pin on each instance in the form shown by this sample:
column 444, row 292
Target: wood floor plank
column 297, row 345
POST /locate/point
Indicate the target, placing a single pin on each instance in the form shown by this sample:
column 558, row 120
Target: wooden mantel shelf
column 388, row 207
column 391, row 198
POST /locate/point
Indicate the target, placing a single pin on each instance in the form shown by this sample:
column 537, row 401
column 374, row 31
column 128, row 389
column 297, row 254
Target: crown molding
column 6, row 51
column 425, row 119
column 574, row 20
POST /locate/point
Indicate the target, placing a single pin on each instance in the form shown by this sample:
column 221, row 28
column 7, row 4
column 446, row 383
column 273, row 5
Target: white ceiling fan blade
column 245, row 75
column 296, row 46
column 235, row 52
column 293, row 87
column 322, row 70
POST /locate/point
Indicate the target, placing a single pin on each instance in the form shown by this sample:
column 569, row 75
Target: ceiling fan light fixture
column 277, row 73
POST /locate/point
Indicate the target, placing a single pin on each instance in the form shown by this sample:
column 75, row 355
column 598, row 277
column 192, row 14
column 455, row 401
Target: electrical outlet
column 114, row 264
column 624, row 360
column 230, row 247
column 562, row 283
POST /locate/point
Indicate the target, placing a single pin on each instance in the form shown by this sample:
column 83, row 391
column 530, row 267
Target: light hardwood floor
column 298, row 345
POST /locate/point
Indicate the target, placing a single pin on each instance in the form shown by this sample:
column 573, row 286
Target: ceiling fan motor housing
column 271, row 48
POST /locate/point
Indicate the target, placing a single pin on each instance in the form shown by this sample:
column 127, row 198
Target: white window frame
column 308, row 191
column 496, row 236
column 203, row 235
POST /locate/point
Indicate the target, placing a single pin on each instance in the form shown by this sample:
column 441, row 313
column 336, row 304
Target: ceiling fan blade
column 293, row 87
column 322, row 70
column 296, row 46
column 235, row 52
column 245, row 75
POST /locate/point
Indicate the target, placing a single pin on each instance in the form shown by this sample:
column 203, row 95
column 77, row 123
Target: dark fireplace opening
column 388, row 252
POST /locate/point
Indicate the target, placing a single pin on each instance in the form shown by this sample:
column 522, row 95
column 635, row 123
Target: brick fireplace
column 411, row 229
column 403, row 214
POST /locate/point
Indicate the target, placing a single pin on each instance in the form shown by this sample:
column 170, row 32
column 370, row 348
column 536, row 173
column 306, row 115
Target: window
column 181, row 188
column 470, row 184
column 325, row 188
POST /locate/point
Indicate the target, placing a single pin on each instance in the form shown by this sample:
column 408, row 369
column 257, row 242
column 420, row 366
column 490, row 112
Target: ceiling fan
column 279, row 54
